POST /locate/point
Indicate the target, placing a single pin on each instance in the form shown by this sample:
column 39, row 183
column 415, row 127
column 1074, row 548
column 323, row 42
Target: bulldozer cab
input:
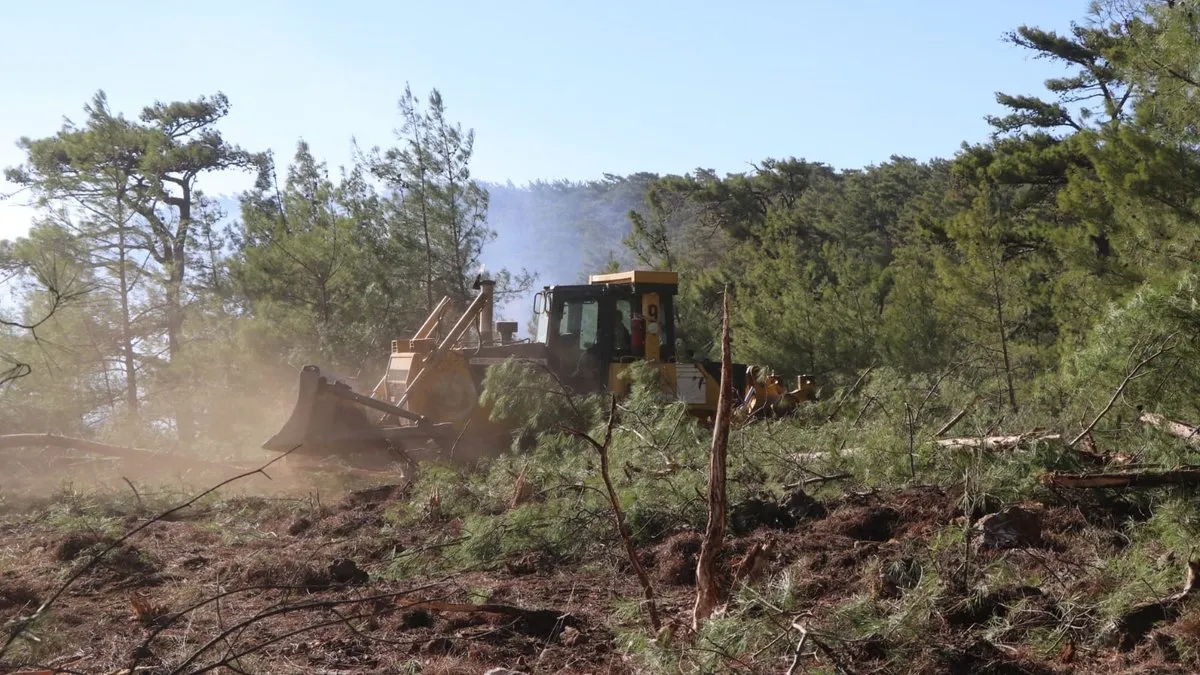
column 613, row 319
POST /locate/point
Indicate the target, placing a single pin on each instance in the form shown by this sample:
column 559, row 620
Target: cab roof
column 636, row 277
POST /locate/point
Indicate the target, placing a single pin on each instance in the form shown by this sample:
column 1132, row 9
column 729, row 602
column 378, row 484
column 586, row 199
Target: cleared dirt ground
column 295, row 584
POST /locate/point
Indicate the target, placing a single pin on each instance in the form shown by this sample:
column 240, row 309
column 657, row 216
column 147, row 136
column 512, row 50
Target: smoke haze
column 562, row 231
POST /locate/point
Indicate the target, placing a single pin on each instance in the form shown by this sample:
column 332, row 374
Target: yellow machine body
column 589, row 335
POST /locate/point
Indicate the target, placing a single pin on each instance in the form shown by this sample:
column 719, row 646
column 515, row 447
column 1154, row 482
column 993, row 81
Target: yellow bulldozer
column 587, row 335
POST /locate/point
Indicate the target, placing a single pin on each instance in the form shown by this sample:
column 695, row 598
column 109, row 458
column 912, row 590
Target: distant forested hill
column 561, row 230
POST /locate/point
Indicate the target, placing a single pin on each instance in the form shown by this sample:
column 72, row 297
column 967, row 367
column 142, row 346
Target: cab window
column 622, row 325
column 579, row 324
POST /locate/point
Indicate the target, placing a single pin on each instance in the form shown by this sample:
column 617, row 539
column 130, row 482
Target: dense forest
column 1049, row 257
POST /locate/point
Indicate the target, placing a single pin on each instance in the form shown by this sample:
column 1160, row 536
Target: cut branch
column 1163, row 348
column 848, row 393
column 951, row 424
column 957, row 418
column 615, row 502
column 799, row 650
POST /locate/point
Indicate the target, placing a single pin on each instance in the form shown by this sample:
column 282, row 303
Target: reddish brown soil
column 316, row 578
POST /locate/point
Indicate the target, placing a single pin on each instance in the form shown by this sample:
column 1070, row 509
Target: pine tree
column 143, row 176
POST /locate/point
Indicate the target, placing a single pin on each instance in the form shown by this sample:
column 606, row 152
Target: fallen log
column 1187, row 432
column 995, row 442
column 1008, row 442
column 1189, row 475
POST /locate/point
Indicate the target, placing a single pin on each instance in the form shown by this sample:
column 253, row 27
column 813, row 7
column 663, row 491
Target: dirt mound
column 130, row 561
column 123, row 563
column 864, row 523
column 17, row 594
column 76, row 543
column 267, row 570
column 982, row 657
column 375, row 496
column 335, row 523
column 909, row 514
column 674, row 560
column 782, row 514
column 358, row 512
column 1011, row 527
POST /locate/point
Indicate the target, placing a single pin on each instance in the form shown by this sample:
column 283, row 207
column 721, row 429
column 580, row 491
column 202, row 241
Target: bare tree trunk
column 127, row 355
column 452, row 220
column 614, row 501
column 1008, row 375
column 707, row 588
column 174, row 293
column 422, row 151
column 619, row 515
column 428, row 249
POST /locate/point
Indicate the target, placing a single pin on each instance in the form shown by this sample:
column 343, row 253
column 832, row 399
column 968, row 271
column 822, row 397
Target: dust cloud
column 143, row 464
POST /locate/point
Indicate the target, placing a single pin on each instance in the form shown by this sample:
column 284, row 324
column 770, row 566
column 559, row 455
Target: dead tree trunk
column 127, row 353
column 1002, row 324
column 707, row 589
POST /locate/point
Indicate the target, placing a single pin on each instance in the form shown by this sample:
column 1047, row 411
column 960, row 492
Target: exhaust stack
column 487, row 289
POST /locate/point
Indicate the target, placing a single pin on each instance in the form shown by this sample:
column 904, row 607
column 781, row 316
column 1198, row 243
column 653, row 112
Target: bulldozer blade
column 316, row 418
column 330, row 419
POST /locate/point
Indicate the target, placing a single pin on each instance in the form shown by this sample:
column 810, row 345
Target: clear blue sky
column 562, row 89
